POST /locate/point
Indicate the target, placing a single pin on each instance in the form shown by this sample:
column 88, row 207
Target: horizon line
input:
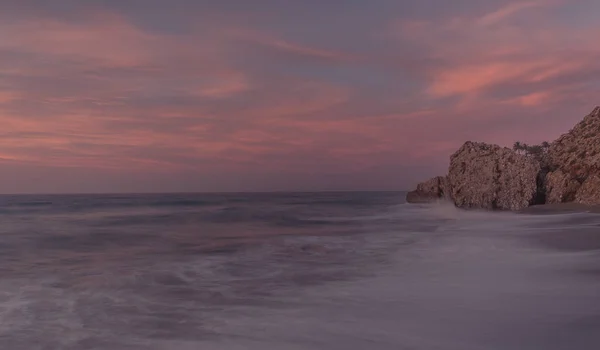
column 193, row 192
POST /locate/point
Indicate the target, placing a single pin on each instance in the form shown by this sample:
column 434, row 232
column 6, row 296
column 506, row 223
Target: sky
column 276, row 95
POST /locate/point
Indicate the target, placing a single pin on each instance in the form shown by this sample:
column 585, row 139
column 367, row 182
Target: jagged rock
column 487, row 176
column 429, row 191
column 560, row 187
column 492, row 177
column 576, row 155
column 418, row 197
column 589, row 192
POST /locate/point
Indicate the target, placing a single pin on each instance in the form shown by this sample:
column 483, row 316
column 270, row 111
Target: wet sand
column 561, row 208
column 583, row 238
column 575, row 240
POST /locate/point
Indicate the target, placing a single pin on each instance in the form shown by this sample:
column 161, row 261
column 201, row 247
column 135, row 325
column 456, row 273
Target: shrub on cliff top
column 536, row 151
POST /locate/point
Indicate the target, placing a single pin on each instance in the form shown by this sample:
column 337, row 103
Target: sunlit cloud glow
column 213, row 98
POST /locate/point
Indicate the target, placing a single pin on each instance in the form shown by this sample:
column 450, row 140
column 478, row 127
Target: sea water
column 277, row 271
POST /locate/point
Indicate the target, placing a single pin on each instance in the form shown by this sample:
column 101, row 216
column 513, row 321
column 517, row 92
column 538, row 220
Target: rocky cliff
column 488, row 176
column 574, row 163
column 492, row 177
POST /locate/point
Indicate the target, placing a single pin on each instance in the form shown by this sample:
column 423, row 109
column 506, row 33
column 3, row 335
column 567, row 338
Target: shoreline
column 560, row 208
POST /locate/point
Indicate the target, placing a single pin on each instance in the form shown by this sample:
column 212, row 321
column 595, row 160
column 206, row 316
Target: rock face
column 574, row 161
column 589, row 192
column 560, row 187
column 492, row 177
column 429, row 191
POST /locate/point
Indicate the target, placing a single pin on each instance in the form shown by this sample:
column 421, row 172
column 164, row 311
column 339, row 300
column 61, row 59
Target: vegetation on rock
column 536, row 151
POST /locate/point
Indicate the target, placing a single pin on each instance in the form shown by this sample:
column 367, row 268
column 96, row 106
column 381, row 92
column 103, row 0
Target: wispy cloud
column 212, row 93
column 268, row 41
column 509, row 10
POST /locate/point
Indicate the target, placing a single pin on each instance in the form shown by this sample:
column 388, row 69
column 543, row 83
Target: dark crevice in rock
column 540, row 197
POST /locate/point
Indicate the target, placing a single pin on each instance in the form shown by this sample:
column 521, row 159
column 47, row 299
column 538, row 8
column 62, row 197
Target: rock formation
column 560, row 187
column 492, row 177
column 589, row 192
column 430, row 190
column 487, row 176
column 574, row 161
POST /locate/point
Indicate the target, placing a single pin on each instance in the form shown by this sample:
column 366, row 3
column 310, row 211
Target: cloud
column 473, row 60
column 285, row 47
column 509, row 10
column 249, row 93
column 106, row 38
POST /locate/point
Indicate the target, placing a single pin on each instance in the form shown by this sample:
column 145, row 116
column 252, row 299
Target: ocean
column 279, row 271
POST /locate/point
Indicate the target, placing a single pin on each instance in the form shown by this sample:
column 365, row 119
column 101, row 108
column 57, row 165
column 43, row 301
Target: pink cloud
column 106, row 37
column 304, row 97
column 536, row 98
column 107, row 40
column 6, row 96
column 228, row 85
column 273, row 42
column 473, row 78
column 106, row 94
column 509, row 10
column 479, row 58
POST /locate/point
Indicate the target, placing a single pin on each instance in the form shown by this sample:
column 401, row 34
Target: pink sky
column 133, row 96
